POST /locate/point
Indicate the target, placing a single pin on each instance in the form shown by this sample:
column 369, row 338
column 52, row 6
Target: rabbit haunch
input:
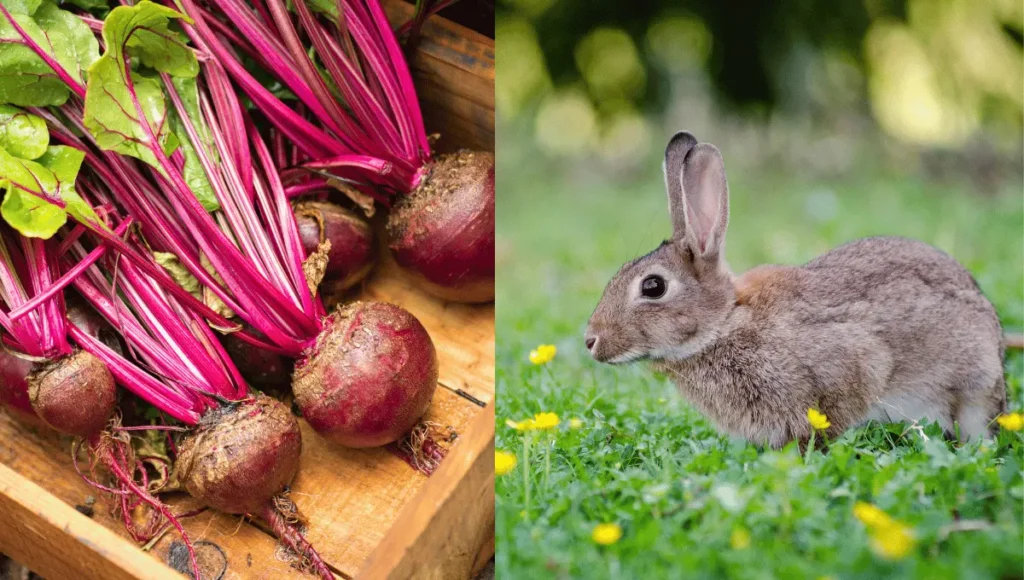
column 880, row 328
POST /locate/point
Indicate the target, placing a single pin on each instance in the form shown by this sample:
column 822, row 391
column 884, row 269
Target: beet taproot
column 261, row 368
column 240, row 455
column 442, row 233
column 370, row 376
column 75, row 394
column 353, row 246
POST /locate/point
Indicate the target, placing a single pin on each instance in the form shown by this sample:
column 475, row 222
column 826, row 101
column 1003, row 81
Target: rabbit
column 881, row 328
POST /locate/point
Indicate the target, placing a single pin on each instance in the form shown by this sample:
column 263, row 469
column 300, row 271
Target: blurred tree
column 933, row 71
column 749, row 38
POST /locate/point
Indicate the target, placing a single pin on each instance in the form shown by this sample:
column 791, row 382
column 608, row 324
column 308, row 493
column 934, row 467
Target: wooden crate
column 369, row 514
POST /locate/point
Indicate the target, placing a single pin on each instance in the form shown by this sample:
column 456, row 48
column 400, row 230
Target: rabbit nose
column 591, row 341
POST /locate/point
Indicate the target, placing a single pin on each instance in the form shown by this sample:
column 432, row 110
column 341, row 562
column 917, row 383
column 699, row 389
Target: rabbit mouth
column 628, row 357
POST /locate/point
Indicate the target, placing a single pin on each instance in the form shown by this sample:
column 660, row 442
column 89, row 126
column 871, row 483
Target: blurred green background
column 837, row 120
column 936, row 78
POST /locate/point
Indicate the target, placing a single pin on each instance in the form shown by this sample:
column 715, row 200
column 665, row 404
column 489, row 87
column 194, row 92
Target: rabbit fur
column 881, row 328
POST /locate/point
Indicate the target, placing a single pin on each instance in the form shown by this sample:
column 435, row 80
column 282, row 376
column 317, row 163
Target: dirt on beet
column 241, row 455
column 442, row 233
column 370, row 376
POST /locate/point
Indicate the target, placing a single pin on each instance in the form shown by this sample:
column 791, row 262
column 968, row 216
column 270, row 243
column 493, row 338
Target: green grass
column 645, row 460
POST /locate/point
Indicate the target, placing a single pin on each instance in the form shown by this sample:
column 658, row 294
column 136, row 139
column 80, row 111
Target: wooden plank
column 59, row 542
column 43, row 458
column 440, row 535
column 453, row 69
column 483, row 557
column 350, row 498
column 236, row 548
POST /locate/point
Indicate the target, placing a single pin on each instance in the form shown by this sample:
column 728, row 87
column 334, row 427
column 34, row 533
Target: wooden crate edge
column 399, row 11
column 446, row 530
column 56, row 541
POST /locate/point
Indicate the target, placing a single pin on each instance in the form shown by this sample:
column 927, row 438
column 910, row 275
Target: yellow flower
column 871, row 516
column 892, row 542
column 740, row 539
column 504, row 462
column 543, row 354
column 524, row 425
column 606, row 534
column 817, row 420
column 1011, row 421
column 890, row 538
column 545, row 421
column 575, row 423
column 539, row 422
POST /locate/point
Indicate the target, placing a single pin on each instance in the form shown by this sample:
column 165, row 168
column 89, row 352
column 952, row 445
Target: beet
column 240, row 455
column 238, row 459
column 261, row 368
column 353, row 246
column 75, row 394
column 370, row 376
column 14, row 399
column 442, row 233
column 14, row 371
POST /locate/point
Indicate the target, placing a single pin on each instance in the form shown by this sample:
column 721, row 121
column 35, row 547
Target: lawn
column 690, row 502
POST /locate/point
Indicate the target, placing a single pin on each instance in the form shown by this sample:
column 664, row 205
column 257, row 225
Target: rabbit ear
column 675, row 155
column 706, row 200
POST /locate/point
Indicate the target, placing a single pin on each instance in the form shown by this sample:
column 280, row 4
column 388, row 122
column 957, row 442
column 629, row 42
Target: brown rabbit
column 880, row 328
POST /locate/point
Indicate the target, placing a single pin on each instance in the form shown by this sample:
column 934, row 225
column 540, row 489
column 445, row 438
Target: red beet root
column 14, row 399
column 370, row 376
column 239, row 460
column 265, row 370
column 14, row 371
column 75, row 394
column 443, row 232
column 353, row 246
column 240, row 456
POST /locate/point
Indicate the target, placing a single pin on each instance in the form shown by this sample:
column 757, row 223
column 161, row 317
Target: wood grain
column 34, row 523
column 459, row 496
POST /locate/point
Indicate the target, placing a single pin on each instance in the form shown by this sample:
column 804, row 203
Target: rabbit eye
column 653, row 287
